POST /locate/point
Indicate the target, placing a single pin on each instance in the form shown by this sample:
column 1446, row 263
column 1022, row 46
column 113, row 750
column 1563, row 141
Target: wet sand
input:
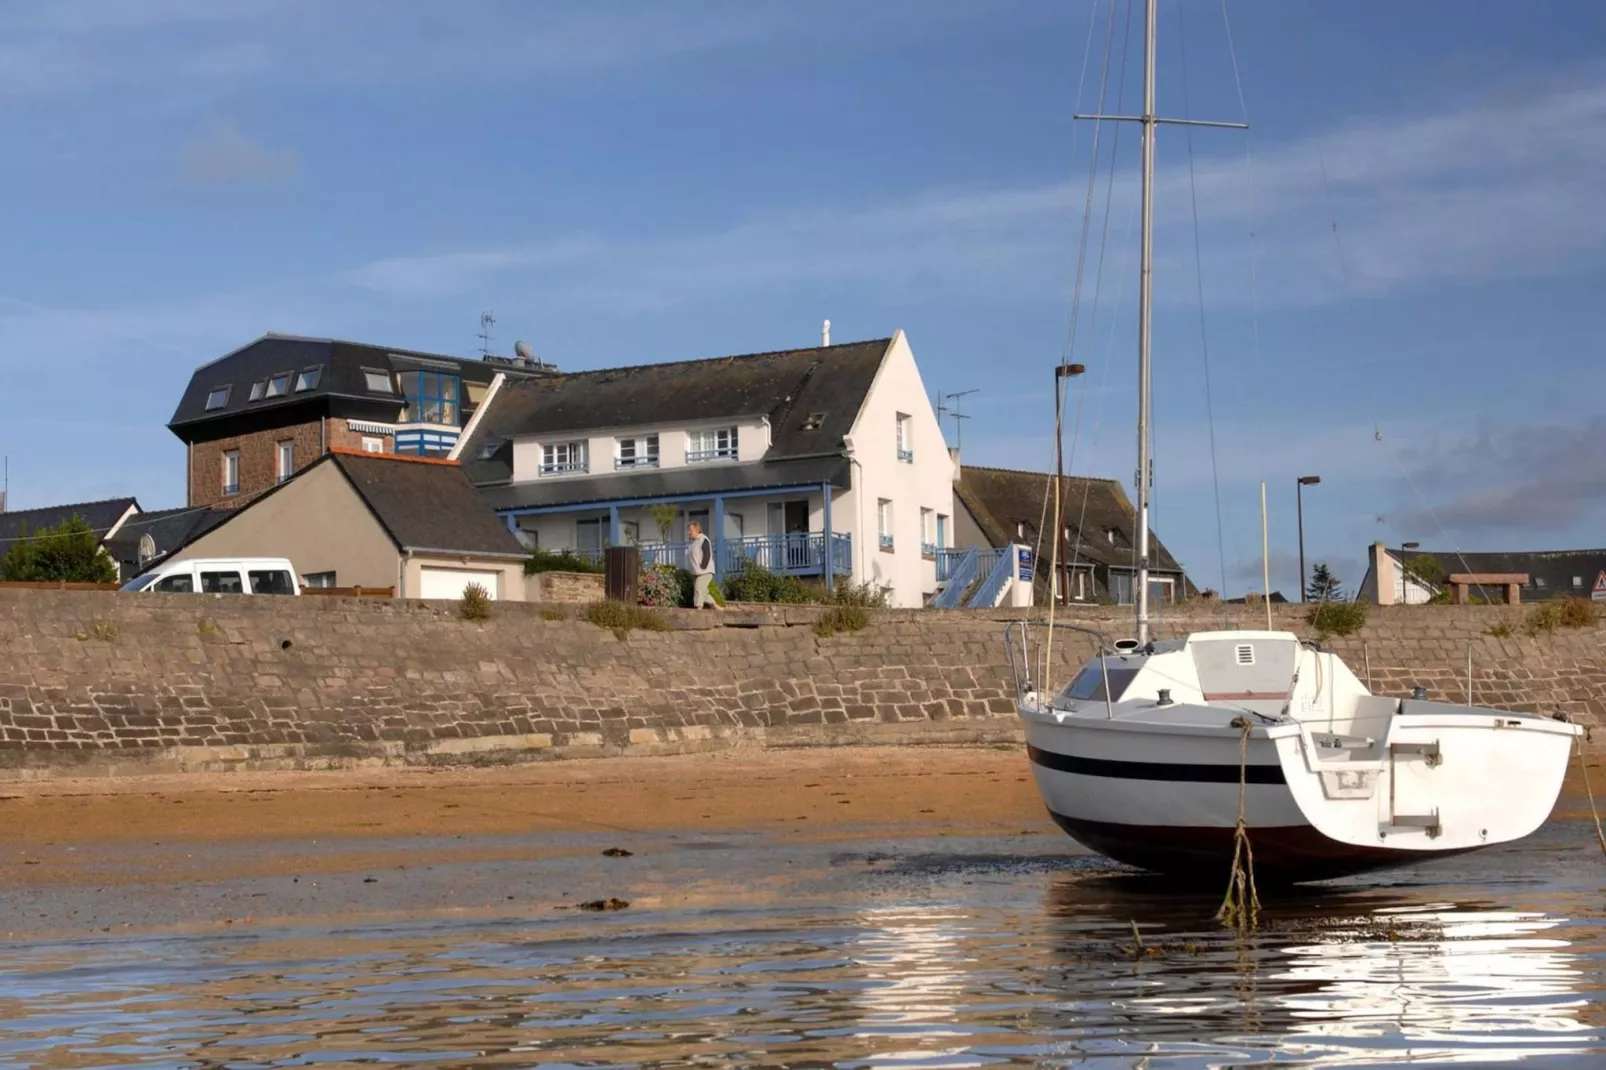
column 67, row 832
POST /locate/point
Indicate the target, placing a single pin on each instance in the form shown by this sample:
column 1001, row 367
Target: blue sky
column 629, row 182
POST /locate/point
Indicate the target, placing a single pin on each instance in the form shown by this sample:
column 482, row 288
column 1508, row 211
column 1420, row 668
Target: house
column 1538, row 574
column 824, row 462
column 255, row 417
column 105, row 518
column 146, row 539
column 357, row 519
column 994, row 507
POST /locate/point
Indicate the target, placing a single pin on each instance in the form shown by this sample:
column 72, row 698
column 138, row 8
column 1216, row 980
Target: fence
column 792, row 554
column 351, row 592
column 56, row 585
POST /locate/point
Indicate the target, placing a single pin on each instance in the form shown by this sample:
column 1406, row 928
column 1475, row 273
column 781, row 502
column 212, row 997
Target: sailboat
column 1157, row 749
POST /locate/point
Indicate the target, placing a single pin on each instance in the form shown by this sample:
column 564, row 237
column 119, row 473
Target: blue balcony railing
column 906, row 456
column 793, row 554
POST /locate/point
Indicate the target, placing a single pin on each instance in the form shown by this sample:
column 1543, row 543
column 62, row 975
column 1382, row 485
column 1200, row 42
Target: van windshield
column 138, row 583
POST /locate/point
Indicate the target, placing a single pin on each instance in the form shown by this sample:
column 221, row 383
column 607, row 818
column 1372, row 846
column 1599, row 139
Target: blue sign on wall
column 1026, row 565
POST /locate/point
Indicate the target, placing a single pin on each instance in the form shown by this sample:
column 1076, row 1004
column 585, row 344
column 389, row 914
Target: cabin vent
column 1246, row 654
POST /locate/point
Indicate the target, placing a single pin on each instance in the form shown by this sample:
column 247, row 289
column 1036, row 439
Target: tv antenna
column 953, row 411
column 487, row 321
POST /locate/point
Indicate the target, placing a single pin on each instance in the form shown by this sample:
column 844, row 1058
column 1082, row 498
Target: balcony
column 794, row 554
column 622, row 463
column 906, row 456
column 563, row 468
column 722, row 453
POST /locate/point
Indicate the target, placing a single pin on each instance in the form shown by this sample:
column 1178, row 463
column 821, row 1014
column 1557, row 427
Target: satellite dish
column 522, row 348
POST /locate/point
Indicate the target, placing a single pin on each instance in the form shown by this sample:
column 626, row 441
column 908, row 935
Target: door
column 448, row 583
column 790, row 520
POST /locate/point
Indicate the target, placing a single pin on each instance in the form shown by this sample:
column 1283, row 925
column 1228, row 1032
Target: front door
column 790, row 520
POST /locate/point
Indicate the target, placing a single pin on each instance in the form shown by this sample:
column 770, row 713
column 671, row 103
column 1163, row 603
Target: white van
column 218, row 575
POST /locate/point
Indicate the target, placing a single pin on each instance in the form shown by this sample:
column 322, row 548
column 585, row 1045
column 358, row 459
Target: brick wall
column 110, row 681
column 259, row 457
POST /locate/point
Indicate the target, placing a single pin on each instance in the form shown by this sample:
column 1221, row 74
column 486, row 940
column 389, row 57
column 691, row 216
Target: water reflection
column 981, row 960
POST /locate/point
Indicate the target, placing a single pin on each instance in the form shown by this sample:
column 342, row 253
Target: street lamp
column 1061, row 371
column 1299, row 498
column 1405, row 592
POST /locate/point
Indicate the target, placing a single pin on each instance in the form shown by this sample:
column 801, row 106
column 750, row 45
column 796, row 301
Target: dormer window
column 309, row 378
column 906, row 448
column 432, row 398
column 218, row 397
column 278, row 385
column 638, row 452
column 813, row 421
column 488, row 448
column 378, row 381
column 715, row 445
column 563, row 458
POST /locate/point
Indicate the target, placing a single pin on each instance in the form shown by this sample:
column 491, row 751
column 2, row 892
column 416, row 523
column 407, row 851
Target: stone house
column 255, row 417
column 357, row 519
column 825, row 462
column 106, row 518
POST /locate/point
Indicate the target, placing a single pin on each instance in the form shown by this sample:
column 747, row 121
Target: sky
column 1398, row 262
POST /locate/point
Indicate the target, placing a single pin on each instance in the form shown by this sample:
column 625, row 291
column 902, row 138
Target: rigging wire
column 1198, row 274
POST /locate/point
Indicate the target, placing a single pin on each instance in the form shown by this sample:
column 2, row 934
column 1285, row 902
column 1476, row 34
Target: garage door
column 449, row 582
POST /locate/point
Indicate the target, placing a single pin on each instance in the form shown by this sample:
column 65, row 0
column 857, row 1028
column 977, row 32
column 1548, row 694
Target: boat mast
column 1149, row 121
column 1145, row 296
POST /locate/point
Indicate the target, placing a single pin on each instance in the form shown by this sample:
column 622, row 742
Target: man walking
column 700, row 556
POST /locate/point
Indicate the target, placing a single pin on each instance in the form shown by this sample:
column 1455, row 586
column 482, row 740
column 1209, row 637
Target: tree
column 664, row 515
column 69, row 552
column 1324, row 586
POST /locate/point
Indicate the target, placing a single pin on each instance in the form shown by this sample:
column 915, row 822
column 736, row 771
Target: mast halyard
column 1149, row 121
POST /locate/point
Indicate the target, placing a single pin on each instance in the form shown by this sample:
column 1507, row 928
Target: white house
column 825, row 462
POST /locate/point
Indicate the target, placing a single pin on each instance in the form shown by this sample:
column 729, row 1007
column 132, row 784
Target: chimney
column 825, row 333
column 953, row 455
column 1385, row 576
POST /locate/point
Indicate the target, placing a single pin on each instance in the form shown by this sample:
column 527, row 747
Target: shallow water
column 893, row 952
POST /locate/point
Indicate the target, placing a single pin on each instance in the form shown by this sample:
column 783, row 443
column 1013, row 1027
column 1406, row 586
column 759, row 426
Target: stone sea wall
column 94, row 682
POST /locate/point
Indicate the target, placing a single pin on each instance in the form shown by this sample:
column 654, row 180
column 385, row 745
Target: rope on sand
column 1241, row 905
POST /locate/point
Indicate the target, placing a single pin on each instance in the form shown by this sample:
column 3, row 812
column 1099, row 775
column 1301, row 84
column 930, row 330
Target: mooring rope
column 1583, row 768
column 1241, row 905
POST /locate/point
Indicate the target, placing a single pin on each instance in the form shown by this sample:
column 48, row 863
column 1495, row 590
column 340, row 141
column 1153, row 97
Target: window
column 279, row 385
column 1539, row 581
column 1079, row 589
column 182, row 583
column 1162, row 590
column 883, row 519
column 1121, row 588
column 1578, row 581
column 489, row 447
column 308, row 379
column 813, row 421
column 639, row 452
column 906, row 449
column 942, row 531
column 629, row 533
column 271, row 581
column 287, row 460
column 1089, row 683
column 221, row 583
column 378, row 381
column 373, row 444
column 588, row 536
column 717, row 445
column 432, row 398
column 318, row 579
column 928, row 537
column 218, row 397
column 231, row 472
column 558, row 458
column 258, row 389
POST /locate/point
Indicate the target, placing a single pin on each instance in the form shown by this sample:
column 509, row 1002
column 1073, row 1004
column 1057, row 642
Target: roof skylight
column 308, row 379
column 218, row 397
column 279, row 385
column 258, row 388
column 378, row 381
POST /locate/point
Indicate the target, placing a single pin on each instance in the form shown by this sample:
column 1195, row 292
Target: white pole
column 1265, row 556
column 1145, row 293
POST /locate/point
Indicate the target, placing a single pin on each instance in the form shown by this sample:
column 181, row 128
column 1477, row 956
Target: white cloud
column 223, row 157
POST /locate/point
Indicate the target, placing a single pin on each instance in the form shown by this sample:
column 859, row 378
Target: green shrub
column 841, row 618
column 1562, row 613
column 755, row 583
column 658, row 587
column 621, row 619
column 686, row 583
column 554, row 613
column 1499, row 631
column 559, row 561
column 69, row 552
column 475, row 603
column 1338, row 618
column 866, row 595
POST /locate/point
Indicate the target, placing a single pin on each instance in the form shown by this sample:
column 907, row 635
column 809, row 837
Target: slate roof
column 1001, row 498
column 342, row 376
column 427, row 505
column 1556, row 568
column 170, row 529
column 101, row 516
column 788, row 386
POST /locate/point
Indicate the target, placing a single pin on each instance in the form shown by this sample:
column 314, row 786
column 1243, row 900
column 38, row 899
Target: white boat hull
column 1168, row 800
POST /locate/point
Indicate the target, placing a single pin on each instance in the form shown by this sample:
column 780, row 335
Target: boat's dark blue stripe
column 1174, row 771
